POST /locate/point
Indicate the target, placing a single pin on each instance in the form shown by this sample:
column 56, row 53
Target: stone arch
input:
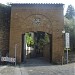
column 37, row 22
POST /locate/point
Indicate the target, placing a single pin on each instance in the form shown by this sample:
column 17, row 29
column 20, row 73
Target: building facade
column 37, row 17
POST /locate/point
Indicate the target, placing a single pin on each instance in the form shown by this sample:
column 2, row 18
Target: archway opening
column 36, row 45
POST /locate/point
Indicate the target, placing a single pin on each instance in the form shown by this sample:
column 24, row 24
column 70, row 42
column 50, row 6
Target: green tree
column 69, row 23
column 70, row 13
column 29, row 39
column 69, row 26
column 43, row 41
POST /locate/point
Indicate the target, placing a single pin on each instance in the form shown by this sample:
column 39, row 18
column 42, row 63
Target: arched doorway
column 36, row 45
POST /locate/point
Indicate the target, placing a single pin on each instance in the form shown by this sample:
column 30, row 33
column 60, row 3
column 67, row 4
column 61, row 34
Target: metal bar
column 62, row 60
column 15, row 53
column 67, row 55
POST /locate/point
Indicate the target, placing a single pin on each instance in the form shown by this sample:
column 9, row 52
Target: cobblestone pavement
column 38, row 67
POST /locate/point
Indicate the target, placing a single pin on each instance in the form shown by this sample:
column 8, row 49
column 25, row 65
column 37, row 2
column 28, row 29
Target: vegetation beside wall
column 4, row 28
column 69, row 23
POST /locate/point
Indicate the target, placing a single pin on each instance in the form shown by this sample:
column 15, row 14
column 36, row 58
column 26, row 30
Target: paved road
column 39, row 67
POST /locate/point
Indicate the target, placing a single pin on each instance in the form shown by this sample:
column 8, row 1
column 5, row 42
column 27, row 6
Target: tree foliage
column 70, row 13
column 69, row 24
column 29, row 39
column 43, row 41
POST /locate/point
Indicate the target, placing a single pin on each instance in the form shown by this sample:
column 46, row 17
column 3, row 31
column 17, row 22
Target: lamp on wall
column 63, row 31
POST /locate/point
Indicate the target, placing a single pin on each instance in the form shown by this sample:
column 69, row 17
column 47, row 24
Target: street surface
column 38, row 67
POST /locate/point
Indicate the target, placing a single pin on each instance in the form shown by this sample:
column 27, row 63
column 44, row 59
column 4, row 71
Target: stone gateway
column 47, row 18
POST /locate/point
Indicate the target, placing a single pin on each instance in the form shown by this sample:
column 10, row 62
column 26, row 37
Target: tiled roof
column 36, row 3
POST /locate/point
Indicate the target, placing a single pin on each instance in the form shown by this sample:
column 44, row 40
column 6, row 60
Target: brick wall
column 23, row 18
column 46, row 52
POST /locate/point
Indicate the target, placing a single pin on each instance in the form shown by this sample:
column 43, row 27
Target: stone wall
column 4, row 29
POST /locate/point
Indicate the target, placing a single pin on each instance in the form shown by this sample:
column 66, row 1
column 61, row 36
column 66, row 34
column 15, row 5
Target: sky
column 66, row 2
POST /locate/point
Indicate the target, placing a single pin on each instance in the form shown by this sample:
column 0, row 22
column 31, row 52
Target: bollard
column 62, row 60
